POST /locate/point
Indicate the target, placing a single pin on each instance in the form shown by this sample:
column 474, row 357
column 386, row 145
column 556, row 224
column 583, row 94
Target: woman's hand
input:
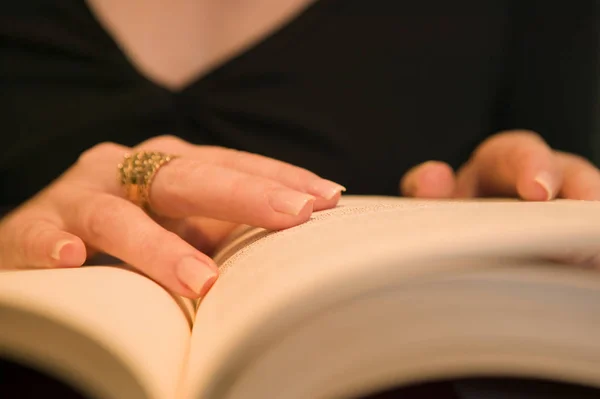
column 196, row 200
column 509, row 164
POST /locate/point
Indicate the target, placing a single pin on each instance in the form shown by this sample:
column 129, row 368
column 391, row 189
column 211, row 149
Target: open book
column 377, row 292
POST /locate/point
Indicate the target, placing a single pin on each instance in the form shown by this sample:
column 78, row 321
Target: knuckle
column 183, row 173
column 243, row 189
column 239, row 186
column 218, row 155
column 197, row 169
column 28, row 235
column 242, row 155
column 283, row 172
column 527, row 133
column 530, row 134
column 100, row 151
column 166, row 141
column 149, row 253
column 220, row 150
column 575, row 160
column 173, row 182
column 295, row 174
column 146, row 251
column 99, row 216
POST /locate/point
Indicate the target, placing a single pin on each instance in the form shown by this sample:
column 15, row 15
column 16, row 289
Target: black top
column 358, row 91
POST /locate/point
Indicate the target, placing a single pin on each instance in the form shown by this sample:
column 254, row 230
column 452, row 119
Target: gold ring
column 136, row 173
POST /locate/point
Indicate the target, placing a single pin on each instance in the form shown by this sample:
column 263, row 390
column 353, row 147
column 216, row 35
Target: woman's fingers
column 204, row 234
column 432, row 179
column 517, row 163
column 581, row 178
column 88, row 210
column 326, row 192
column 467, row 182
column 195, row 186
column 102, row 160
column 32, row 241
column 186, row 188
column 126, row 232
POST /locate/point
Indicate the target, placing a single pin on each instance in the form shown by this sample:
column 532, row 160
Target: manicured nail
column 289, row 201
column 544, row 181
column 326, row 188
column 59, row 247
column 196, row 275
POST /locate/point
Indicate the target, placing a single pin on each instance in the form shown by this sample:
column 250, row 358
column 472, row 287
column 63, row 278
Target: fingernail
column 289, row 201
column 58, row 247
column 326, row 188
column 544, row 181
column 196, row 275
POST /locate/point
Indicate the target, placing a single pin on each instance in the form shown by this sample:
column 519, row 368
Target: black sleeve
column 553, row 85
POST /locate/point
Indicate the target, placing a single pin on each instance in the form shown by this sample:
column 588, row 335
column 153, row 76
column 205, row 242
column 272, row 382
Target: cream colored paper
column 125, row 334
column 126, row 315
column 279, row 278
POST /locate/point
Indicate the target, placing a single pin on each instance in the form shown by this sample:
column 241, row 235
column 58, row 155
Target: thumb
column 516, row 163
column 432, row 179
column 33, row 242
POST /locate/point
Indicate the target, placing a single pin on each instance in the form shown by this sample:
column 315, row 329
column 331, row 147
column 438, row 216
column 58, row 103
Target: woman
column 430, row 99
column 358, row 93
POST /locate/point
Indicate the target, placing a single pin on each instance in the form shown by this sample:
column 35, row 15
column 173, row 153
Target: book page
column 108, row 331
column 518, row 319
column 270, row 281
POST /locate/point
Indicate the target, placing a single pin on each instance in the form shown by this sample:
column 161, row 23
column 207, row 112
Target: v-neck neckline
column 271, row 42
